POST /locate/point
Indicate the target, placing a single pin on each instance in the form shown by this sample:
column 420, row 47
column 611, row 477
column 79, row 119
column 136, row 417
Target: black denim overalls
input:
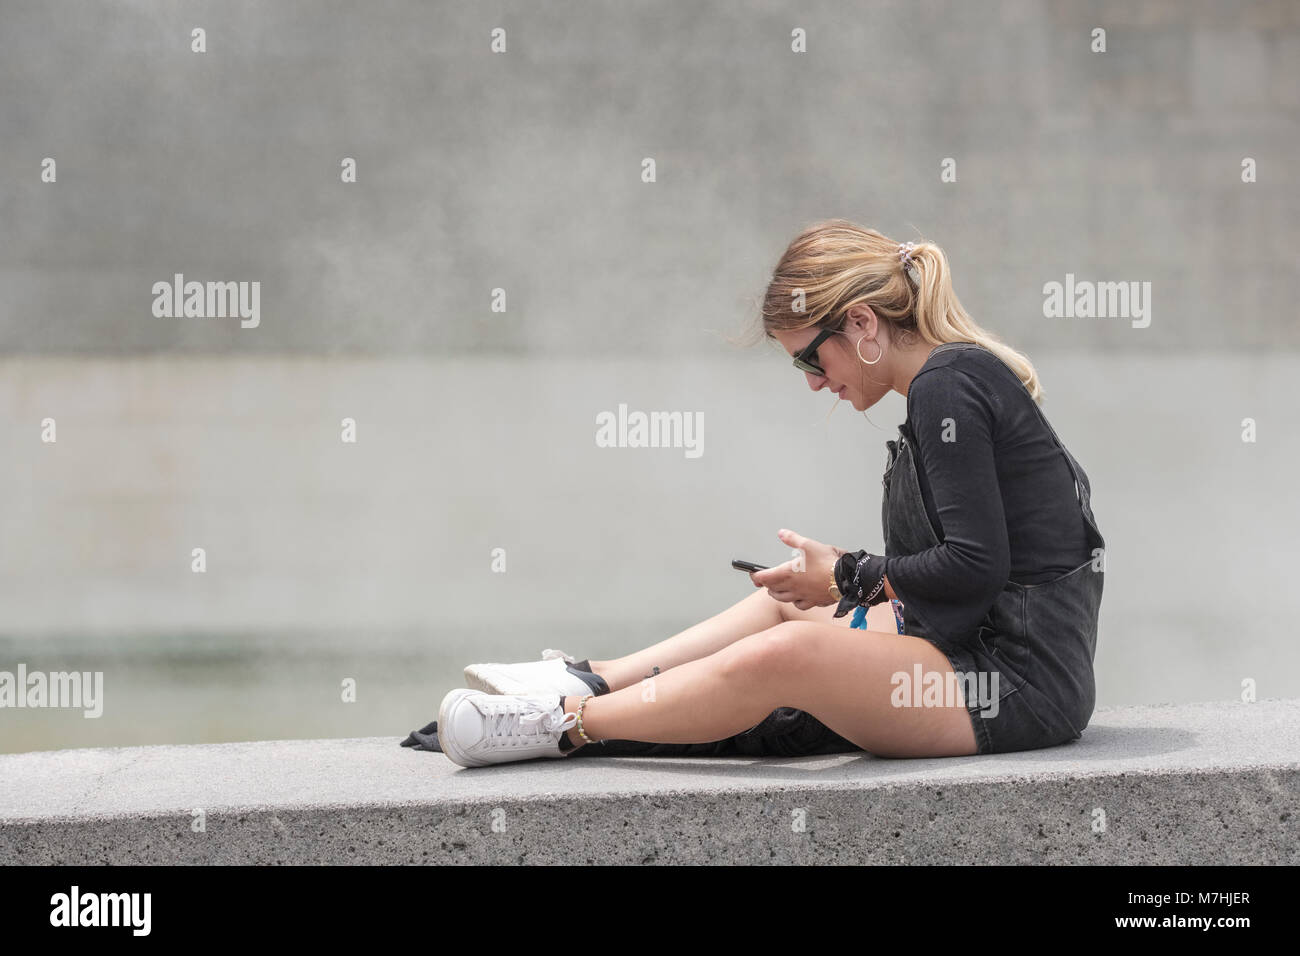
column 1038, row 638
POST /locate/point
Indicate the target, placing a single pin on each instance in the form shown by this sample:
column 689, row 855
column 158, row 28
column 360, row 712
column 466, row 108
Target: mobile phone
column 747, row 566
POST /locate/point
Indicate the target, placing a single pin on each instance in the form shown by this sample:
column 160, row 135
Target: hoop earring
column 858, row 349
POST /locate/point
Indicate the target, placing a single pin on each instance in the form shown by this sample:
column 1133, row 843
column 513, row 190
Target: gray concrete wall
column 1190, row 785
column 521, row 170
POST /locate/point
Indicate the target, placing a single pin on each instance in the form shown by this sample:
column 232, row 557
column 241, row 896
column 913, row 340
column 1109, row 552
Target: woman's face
column 846, row 375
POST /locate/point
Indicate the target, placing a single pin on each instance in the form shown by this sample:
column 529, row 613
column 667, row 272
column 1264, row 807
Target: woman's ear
column 861, row 320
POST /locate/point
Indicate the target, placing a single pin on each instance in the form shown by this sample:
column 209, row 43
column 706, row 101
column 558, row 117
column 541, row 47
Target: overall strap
column 1081, row 487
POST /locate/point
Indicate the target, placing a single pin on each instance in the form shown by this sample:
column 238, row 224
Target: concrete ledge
column 1186, row 784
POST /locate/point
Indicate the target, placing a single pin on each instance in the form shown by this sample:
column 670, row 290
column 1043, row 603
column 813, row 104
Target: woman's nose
column 815, row 382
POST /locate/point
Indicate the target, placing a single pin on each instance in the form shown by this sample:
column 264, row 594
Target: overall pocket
column 1000, row 656
column 1060, row 636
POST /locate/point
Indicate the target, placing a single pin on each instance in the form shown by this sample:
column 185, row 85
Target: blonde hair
column 836, row 264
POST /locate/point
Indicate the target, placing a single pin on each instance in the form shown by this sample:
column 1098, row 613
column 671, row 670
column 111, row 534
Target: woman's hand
column 807, row 588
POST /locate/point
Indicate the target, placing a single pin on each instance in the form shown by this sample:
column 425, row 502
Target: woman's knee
column 779, row 611
column 822, row 614
column 784, row 649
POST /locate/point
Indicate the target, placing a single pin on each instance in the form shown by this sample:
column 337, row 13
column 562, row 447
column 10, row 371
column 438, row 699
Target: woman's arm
column 953, row 420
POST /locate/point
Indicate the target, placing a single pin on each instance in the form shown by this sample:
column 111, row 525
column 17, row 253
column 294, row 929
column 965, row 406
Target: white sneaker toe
column 547, row 676
column 477, row 729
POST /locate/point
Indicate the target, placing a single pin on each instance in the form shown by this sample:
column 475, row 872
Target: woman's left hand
column 806, row 588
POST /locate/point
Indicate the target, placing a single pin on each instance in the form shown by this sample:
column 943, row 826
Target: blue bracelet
column 860, row 615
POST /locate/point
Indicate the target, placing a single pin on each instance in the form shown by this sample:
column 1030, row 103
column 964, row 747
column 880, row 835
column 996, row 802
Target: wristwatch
column 835, row 588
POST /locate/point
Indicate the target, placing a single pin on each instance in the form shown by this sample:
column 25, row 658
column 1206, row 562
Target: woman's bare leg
column 756, row 613
column 842, row 677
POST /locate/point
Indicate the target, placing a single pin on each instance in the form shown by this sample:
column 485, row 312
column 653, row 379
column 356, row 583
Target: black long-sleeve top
column 998, row 490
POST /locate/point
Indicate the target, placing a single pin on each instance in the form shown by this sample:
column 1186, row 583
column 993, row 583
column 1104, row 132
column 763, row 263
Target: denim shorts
column 1025, row 717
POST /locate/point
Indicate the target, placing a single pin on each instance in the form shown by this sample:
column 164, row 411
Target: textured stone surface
column 1192, row 784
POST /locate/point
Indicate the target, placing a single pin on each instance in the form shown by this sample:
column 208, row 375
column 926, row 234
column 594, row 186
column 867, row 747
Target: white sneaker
column 550, row 675
column 477, row 729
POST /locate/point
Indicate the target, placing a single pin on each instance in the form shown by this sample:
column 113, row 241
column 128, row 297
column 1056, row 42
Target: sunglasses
column 806, row 360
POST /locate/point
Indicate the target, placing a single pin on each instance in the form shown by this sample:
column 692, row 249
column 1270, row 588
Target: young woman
column 992, row 560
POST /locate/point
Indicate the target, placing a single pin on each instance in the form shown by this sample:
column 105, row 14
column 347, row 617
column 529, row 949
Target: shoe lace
column 551, row 654
column 507, row 723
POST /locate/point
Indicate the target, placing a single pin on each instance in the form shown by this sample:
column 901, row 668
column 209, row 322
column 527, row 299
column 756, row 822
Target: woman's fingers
column 794, row 539
column 783, row 582
column 771, row 577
